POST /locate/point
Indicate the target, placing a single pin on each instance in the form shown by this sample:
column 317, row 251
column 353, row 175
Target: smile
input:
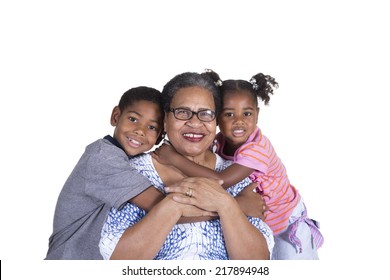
column 134, row 143
column 238, row 132
column 193, row 137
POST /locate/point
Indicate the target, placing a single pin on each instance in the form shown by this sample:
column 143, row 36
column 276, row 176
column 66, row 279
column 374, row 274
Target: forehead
column 193, row 97
column 239, row 95
column 144, row 107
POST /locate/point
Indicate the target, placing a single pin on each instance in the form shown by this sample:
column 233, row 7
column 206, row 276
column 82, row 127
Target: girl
column 241, row 140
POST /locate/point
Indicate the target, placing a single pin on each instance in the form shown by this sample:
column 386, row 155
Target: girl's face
column 191, row 137
column 137, row 127
column 238, row 118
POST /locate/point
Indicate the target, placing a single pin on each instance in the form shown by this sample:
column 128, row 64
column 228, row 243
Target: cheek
column 172, row 131
column 211, row 126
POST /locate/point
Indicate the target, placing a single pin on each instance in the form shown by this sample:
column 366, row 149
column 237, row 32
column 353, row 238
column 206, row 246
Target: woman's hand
column 189, row 210
column 251, row 202
column 204, row 193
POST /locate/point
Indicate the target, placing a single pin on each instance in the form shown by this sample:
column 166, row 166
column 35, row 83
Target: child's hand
column 164, row 154
column 251, row 202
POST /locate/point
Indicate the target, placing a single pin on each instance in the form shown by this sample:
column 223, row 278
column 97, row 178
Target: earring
column 214, row 146
column 161, row 137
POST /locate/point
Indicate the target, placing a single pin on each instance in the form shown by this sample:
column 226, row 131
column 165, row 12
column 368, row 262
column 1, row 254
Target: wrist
column 226, row 204
column 171, row 207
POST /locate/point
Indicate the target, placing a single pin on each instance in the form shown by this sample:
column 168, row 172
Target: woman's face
column 191, row 137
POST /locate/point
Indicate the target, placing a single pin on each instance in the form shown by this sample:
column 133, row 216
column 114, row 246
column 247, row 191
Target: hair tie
column 255, row 86
column 218, row 83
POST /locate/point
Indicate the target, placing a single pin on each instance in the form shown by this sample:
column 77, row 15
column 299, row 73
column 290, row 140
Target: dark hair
column 140, row 94
column 260, row 85
column 190, row 79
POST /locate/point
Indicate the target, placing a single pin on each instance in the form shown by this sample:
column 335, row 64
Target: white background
column 65, row 64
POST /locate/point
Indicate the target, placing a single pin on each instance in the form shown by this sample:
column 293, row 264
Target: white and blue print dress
column 200, row 240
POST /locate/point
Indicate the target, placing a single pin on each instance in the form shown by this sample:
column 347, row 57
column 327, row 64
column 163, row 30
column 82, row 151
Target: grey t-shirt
column 101, row 179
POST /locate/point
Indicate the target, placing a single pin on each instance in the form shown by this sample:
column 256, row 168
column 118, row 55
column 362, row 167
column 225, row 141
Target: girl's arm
column 235, row 173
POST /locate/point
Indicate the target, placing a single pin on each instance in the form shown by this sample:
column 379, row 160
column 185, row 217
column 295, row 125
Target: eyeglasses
column 184, row 114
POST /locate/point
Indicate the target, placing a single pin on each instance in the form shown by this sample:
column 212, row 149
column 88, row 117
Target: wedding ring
column 189, row 192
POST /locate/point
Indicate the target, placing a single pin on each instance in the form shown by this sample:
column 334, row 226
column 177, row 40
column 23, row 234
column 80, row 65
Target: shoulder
column 257, row 142
column 143, row 163
column 103, row 147
column 102, row 155
column 142, row 159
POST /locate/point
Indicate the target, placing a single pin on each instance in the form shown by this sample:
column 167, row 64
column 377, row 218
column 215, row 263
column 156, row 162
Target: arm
column 140, row 242
column 251, row 203
column 151, row 197
column 235, row 173
column 243, row 240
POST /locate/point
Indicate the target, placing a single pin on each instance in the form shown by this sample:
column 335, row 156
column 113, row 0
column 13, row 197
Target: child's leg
column 285, row 250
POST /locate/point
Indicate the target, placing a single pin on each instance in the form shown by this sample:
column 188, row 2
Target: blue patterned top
column 201, row 240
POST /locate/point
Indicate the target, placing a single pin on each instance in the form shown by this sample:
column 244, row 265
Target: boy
column 103, row 177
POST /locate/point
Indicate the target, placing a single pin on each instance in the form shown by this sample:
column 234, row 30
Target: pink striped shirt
column 280, row 196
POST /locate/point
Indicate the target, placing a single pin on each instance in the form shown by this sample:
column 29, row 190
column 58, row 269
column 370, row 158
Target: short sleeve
column 253, row 156
column 109, row 176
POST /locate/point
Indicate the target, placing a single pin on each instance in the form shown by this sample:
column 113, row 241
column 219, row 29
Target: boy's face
column 137, row 127
column 238, row 118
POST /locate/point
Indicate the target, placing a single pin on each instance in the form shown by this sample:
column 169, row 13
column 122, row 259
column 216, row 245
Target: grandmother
column 191, row 102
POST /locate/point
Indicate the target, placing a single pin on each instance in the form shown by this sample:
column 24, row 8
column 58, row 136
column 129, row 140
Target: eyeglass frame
column 173, row 110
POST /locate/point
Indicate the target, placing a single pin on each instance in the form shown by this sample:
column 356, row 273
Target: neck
column 230, row 149
column 206, row 159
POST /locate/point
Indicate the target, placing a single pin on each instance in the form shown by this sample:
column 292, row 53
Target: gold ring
column 189, row 192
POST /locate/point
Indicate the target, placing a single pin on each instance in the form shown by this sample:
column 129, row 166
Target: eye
column 206, row 115
column 132, row 119
column 183, row 112
column 247, row 114
column 229, row 115
column 152, row 127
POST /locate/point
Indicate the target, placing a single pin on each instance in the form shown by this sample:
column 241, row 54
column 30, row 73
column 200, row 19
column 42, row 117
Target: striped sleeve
column 256, row 155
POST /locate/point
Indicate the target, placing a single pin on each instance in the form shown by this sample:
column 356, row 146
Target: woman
column 191, row 102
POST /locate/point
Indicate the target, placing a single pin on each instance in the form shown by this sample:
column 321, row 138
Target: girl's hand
column 251, row 202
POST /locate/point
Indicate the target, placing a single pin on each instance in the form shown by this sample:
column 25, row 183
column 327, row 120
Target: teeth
column 192, row 135
column 134, row 141
column 238, row 130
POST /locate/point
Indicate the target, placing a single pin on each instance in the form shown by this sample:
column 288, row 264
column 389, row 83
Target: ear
column 116, row 112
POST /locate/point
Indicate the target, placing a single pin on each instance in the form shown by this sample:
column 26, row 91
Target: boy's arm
column 148, row 198
column 230, row 176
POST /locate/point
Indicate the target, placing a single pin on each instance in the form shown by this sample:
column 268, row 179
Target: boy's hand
column 251, row 202
column 165, row 154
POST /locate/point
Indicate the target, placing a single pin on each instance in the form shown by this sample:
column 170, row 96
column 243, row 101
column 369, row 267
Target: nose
column 139, row 130
column 238, row 119
column 194, row 121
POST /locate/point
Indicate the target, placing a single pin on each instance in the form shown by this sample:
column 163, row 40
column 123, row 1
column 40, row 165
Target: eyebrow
column 188, row 108
column 138, row 114
column 246, row 108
